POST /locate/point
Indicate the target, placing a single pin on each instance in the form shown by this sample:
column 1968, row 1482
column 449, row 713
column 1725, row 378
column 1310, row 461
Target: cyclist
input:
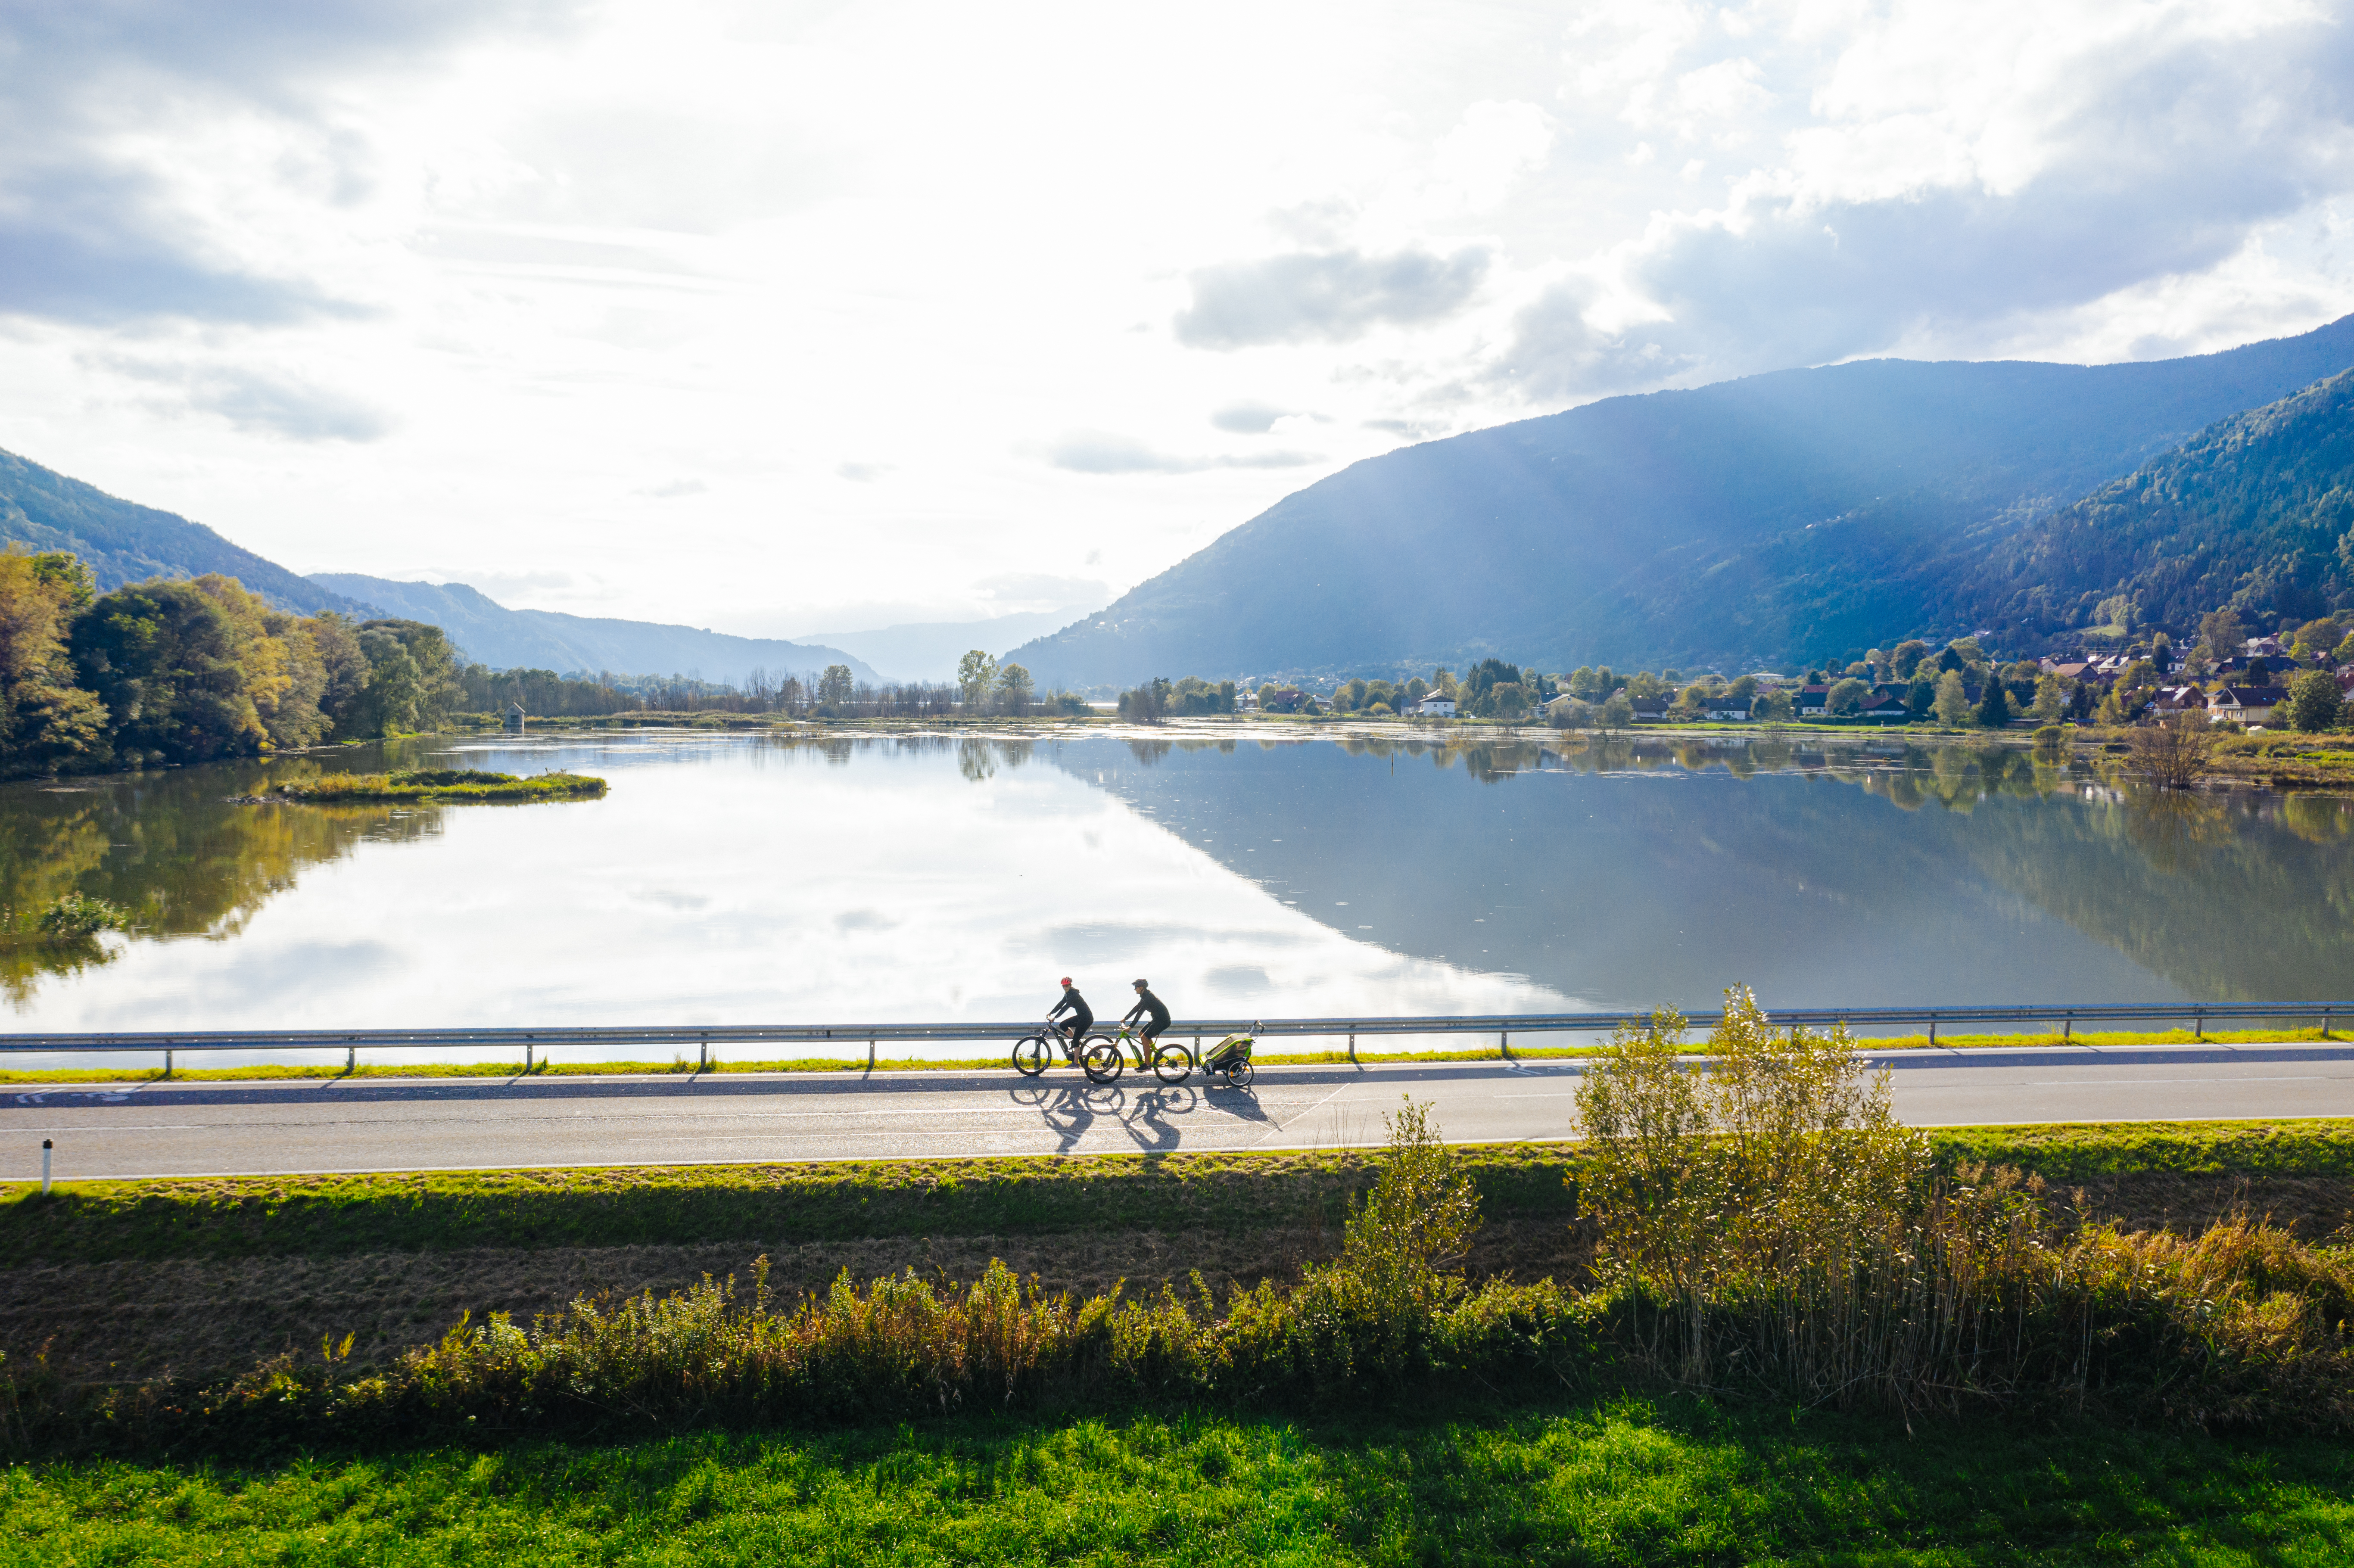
column 1148, row 1002
column 1083, row 1017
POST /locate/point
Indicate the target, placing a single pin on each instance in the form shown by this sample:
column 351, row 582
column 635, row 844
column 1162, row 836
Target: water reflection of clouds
column 785, row 887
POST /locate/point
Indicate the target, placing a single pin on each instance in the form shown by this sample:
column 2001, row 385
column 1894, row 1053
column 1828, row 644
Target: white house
column 1438, row 704
column 2248, row 704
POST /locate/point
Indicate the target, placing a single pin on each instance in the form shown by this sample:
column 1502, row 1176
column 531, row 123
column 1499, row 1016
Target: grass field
column 1627, row 1480
column 999, row 1063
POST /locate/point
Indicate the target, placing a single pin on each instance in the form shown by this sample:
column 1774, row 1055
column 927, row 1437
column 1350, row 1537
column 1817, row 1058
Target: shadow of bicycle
column 1150, row 1118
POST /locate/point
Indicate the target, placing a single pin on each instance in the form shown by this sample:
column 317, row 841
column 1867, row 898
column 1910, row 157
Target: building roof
column 2250, row 698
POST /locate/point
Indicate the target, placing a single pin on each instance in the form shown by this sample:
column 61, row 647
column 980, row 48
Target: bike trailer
column 1233, row 1048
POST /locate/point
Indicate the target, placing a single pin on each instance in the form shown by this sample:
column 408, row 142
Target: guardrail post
column 2068, row 1027
column 2324, row 1023
column 2199, row 1024
column 703, row 1060
column 351, row 1059
column 167, row 1061
column 526, row 1055
column 1353, row 1046
column 1197, row 1051
column 1504, row 1043
column 1933, row 1029
column 870, row 1055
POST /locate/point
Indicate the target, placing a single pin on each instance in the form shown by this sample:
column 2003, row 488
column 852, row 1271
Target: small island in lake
column 436, row 785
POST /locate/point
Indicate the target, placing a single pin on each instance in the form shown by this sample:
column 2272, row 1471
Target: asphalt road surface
column 261, row 1129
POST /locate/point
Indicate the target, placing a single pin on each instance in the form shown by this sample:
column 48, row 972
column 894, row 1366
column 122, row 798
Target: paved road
column 199, row 1128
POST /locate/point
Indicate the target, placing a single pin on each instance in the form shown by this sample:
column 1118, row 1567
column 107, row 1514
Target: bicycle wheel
column 1102, row 1060
column 1030, row 1055
column 1172, row 1061
column 1239, row 1074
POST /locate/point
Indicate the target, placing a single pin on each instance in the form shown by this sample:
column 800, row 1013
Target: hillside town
column 2302, row 679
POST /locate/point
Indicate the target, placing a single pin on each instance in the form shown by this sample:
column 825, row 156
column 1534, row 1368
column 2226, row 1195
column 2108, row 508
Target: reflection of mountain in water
column 1631, row 875
column 168, row 847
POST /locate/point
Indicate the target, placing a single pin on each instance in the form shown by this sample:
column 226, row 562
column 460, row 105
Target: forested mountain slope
column 550, row 640
column 2257, row 510
column 123, row 542
column 1780, row 516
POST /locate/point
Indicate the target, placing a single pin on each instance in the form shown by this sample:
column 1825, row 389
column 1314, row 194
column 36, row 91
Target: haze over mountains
column 1798, row 515
column 1791, row 515
column 550, row 640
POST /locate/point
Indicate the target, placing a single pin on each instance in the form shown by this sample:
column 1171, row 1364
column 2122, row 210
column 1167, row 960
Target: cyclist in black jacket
column 1083, row 1017
column 1146, row 1003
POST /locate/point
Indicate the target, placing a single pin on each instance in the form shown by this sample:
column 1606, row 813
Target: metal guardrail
column 706, row 1037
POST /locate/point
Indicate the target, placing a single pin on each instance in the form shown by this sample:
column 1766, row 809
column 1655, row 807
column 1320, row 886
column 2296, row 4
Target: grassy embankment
column 1546, row 1471
column 239, row 1216
column 541, row 1068
column 432, row 785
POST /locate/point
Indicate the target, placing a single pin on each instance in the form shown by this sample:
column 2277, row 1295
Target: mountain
column 123, row 542
column 548, row 639
column 929, row 650
column 1796, row 515
column 2260, row 504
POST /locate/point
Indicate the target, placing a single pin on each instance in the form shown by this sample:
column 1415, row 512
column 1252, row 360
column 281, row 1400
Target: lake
column 749, row 878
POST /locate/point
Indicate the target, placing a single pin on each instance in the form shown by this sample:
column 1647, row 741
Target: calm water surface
column 766, row 879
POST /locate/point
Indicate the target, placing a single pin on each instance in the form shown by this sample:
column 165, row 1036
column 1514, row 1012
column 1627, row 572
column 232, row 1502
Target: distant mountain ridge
column 1796, row 515
column 929, row 649
column 123, row 542
column 550, row 640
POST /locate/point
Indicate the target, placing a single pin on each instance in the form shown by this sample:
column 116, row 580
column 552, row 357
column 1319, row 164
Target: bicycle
column 1171, row 1062
column 1034, row 1053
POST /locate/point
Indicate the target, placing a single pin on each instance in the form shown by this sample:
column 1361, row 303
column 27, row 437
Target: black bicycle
column 1171, row 1062
column 1098, row 1058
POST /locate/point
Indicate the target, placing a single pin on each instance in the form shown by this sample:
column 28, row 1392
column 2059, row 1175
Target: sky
column 786, row 318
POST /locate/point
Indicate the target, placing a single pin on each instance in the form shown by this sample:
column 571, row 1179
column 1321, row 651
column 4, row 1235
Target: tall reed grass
column 1766, row 1225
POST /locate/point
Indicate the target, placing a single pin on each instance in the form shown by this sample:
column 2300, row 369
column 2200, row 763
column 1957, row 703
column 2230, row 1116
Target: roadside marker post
column 45, row 1167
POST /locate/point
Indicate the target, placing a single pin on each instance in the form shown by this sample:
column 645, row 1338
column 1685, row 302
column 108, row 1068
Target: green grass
column 1617, row 1481
column 998, row 1062
column 335, row 1215
column 253, row 1216
column 438, row 785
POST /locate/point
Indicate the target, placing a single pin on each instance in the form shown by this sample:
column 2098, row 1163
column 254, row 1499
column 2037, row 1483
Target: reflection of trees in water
column 2169, row 826
column 1149, row 753
column 170, row 849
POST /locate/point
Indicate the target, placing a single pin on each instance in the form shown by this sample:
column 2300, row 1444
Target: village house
column 1813, row 702
column 1650, row 710
column 1885, row 704
column 2247, row 704
column 1724, row 709
column 1438, row 704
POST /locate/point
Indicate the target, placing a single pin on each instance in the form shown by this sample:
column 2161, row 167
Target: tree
column 834, row 687
column 2051, row 700
column 976, row 674
column 1508, row 700
column 2314, row 703
column 1014, row 686
column 2222, row 631
column 414, row 680
column 163, row 659
column 1847, row 698
column 1952, row 703
column 1994, row 708
column 1776, row 707
column 1907, row 657
column 2172, row 751
column 1617, row 712
column 47, row 723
